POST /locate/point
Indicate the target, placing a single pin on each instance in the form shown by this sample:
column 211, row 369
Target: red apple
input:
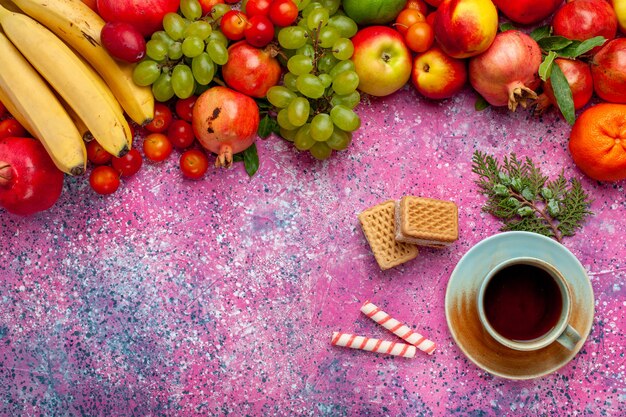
column 437, row 75
column 584, row 19
column 608, row 70
column 145, row 15
column 381, row 59
column 527, row 11
column 464, row 28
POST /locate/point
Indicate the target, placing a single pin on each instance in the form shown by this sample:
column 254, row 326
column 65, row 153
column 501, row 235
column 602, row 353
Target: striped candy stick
column 398, row 328
column 373, row 345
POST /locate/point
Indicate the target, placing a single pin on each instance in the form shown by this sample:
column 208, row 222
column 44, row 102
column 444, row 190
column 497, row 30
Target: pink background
column 219, row 297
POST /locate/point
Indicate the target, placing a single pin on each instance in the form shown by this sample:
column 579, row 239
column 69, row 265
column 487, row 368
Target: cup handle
column 569, row 338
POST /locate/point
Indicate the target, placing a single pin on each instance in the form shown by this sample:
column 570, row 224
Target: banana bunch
column 62, row 85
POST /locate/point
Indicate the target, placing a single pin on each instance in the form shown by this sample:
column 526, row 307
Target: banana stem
column 6, row 174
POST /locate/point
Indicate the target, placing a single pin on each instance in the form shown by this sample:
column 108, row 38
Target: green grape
column 345, row 118
column 290, row 80
column 306, row 50
column 298, row 111
column 283, row 120
column 182, row 81
column 146, row 72
column 326, row 80
column 310, row 86
column 326, row 63
column 280, row 96
column 346, row 82
column 203, row 68
column 219, row 10
column 288, row 134
column 191, row 9
column 349, row 100
column 303, row 140
column 217, row 52
column 328, row 36
column 343, row 49
column 174, row 26
column 199, row 28
column 300, row 64
column 162, row 88
column 175, row 51
column 306, row 11
column 342, row 66
column 339, row 140
column 321, row 127
column 292, row 37
column 217, row 37
column 193, row 46
column 331, row 5
column 156, row 49
column 301, row 4
column 346, row 26
column 317, row 19
column 160, row 35
column 321, row 151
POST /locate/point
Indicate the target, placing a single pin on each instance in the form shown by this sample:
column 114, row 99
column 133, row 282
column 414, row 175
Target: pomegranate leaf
column 267, row 125
column 506, row 26
column 250, row 159
column 563, row 94
column 480, row 104
column 554, row 43
column 545, row 69
column 541, row 32
column 578, row 48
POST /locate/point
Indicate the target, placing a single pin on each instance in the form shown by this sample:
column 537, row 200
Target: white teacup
column 525, row 304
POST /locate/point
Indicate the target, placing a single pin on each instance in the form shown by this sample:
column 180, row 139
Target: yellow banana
column 29, row 98
column 4, row 98
column 71, row 79
column 80, row 27
column 8, row 4
column 80, row 125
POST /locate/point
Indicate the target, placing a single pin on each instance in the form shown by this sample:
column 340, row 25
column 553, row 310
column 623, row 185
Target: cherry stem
column 6, row 174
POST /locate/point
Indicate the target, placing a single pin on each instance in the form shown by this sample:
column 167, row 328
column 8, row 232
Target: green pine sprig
column 524, row 199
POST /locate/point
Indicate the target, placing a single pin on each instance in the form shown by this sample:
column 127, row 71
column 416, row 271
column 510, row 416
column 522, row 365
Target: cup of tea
column 525, row 304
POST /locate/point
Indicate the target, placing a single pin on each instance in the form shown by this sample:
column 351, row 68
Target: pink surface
column 219, row 297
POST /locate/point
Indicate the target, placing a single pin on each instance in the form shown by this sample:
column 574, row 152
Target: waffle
column 426, row 221
column 378, row 224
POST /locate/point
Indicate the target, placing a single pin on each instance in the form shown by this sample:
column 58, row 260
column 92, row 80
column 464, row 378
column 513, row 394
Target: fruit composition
column 105, row 86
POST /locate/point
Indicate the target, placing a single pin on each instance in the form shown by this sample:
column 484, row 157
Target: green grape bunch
column 182, row 59
column 315, row 103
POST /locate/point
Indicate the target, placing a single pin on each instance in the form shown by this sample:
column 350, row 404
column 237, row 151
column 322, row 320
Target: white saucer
column 462, row 312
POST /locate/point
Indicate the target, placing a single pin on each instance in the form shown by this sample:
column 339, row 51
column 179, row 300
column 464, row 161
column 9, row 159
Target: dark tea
column 522, row 302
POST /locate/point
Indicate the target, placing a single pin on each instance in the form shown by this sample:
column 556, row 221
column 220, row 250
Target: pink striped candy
column 373, row 345
column 398, row 328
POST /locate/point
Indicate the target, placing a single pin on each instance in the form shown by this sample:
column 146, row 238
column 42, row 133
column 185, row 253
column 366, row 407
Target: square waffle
column 426, row 221
column 378, row 224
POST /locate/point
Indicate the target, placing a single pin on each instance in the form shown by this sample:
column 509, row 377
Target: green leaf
column 554, row 43
column 267, row 125
column 480, row 104
column 578, row 48
column 506, row 26
column 541, row 32
column 545, row 69
column 563, row 94
column 251, row 160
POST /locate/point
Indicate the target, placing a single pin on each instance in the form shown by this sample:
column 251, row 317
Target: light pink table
column 218, row 297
